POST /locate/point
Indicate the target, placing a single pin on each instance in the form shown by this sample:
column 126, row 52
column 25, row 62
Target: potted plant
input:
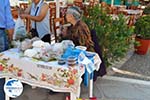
column 142, row 31
column 146, row 11
column 113, row 34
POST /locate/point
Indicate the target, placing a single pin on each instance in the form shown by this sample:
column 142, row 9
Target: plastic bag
column 20, row 30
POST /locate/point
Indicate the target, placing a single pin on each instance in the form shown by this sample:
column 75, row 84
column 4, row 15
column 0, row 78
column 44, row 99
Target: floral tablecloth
column 51, row 75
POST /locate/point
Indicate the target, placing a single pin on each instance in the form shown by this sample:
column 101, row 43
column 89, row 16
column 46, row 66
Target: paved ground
column 138, row 66
column 109, row 87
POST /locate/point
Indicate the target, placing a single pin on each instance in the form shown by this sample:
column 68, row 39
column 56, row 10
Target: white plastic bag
column 20, row 30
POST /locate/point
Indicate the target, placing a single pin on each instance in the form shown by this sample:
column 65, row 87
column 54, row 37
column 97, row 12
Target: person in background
column 6, row 23
column 80, row 34
column 38, row 13
column 14, row 3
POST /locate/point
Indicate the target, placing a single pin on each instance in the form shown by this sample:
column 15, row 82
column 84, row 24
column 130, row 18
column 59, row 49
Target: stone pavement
column 116, row 88
column 106, row 88
column 137, row 67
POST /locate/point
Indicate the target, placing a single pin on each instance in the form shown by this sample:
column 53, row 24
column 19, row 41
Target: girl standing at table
column 38, row 13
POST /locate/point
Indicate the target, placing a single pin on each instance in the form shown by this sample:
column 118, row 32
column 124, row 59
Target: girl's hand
column 24, row 16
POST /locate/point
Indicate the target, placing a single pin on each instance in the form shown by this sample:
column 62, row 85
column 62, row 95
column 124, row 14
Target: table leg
column 91, row 88
column 72, row 96
column 7, row 97
column 131, row 20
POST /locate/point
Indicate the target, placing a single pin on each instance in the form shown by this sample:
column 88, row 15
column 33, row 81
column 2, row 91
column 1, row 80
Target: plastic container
column 81, row 47
column 72, row 60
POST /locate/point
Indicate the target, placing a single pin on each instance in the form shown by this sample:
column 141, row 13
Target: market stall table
column 50, row 75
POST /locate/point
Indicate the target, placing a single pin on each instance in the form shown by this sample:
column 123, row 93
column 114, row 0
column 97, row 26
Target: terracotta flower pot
column 144, row 45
